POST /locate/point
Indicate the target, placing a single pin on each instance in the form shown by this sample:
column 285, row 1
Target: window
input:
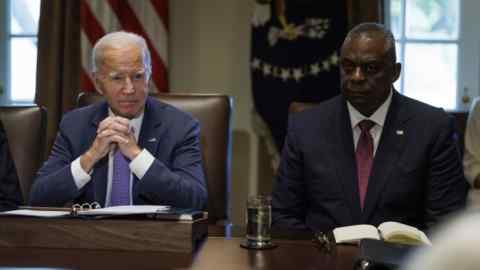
column 434, row 43
column 19, row 49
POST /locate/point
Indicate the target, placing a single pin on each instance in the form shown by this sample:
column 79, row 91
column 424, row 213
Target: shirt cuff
column 140, row 165
column 80, row 177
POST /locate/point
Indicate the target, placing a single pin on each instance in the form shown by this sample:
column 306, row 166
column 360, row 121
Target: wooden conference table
column 219, row 251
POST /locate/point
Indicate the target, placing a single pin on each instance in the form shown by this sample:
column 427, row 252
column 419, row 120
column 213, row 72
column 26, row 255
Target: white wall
column 209, row 53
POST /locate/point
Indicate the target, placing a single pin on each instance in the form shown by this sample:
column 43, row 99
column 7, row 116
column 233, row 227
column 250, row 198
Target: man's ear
column 397, row 69
column 97, row 83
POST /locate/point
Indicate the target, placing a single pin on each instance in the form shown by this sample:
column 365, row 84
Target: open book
column 390, row 231
column 147, row 211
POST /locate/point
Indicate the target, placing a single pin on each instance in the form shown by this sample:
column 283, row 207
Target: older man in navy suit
column 370, row 154
column 130, row 149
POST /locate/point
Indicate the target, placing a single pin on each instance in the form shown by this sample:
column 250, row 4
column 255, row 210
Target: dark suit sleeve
column 10, row 193
column 446, row 185
column 180, row 183
column 288, row 198
column 54, row 184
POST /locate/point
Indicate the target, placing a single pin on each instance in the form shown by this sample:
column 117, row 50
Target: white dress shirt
column 378, row 117
column 138, row 166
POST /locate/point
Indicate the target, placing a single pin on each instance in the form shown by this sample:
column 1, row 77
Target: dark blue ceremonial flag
column 294, row 57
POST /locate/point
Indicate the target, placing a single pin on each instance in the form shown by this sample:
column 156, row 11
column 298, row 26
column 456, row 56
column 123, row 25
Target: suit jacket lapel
column 100, row 173
column 345, row 160
column 389, row 149
column 148, row 138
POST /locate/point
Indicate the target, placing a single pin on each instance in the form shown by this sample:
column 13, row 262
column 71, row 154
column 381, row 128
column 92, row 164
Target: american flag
column 148, row 18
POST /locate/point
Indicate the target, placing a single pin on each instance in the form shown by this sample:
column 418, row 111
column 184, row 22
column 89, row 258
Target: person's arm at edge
column 10, row 193
column 471, row 158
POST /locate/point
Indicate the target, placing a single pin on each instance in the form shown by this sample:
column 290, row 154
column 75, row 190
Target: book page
column 397, row 232
column 352, row 234
column 36, row 213
column 125, row 210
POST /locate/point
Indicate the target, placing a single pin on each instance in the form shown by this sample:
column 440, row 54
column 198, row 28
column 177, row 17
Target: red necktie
column 364, row 157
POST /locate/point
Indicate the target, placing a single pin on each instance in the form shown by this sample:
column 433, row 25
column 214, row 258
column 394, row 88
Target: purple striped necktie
column 120, row 191
column 364, row 157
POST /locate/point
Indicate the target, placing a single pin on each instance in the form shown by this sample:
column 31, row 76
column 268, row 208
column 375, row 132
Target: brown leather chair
column 25, row 127
column 213, row 111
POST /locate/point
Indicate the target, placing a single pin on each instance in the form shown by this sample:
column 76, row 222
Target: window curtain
column 58, row 61
column 365, row 11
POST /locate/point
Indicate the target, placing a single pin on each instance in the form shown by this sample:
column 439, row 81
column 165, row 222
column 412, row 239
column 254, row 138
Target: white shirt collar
column 378, row 116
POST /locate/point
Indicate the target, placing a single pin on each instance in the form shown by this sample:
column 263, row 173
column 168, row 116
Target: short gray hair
column 118, row 40
column 377, row 30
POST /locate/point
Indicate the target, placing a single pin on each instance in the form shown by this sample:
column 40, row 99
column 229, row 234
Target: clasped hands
column 113, row 131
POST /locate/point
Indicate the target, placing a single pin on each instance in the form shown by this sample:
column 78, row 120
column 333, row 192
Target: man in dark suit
column 10, row 193
column 370, row 154
column 130, row 149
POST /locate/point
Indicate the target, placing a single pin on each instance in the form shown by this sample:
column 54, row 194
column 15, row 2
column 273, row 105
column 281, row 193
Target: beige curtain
column 364, row 11
column 58, row 62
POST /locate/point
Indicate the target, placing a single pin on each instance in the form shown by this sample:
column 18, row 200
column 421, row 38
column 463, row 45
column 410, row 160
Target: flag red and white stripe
column 148, row 18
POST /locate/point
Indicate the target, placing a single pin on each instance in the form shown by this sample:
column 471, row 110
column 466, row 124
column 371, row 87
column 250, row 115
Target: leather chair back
column 25, row 127
column 213, row 111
